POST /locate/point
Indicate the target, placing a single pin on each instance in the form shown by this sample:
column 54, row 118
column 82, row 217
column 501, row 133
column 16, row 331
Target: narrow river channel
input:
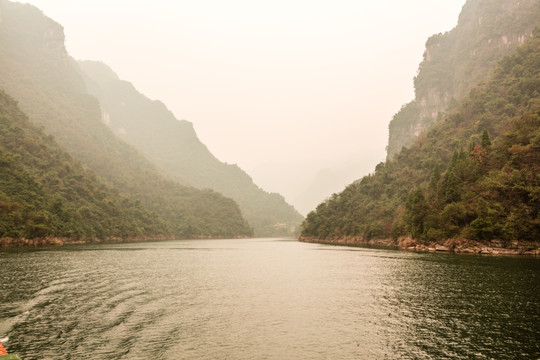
column 265, row 299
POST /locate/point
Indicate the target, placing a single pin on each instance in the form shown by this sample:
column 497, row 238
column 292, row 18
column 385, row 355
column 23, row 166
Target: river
column 265, row 299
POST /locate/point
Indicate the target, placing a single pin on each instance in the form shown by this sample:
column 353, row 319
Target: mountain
column 37, row 71
column 458, row 60
column 474, row 175
column 306, row 183
column 44, row 192
column 330, row 180
column 174, row 146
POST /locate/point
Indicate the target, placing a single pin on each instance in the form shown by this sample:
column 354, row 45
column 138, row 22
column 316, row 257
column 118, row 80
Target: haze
column 297, row 93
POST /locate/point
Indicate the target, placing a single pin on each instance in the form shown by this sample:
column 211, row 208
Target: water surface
column 265, row 299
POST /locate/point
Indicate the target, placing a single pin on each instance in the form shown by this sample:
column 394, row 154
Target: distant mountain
column 332, row 179
column 458, row 60
column 474, row 175
column 306, row 187
column 174, row 146
column 36, row 70
column 44, row 192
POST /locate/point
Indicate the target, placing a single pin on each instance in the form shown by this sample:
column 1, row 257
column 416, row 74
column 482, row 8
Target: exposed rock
column 494, row 247
column 456, row 61
column 441, row 248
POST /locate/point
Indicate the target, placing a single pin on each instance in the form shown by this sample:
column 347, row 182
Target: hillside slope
column 473, row 176
column 458, row 60
column 44, row 192
column 36, row 70
column 174, row 146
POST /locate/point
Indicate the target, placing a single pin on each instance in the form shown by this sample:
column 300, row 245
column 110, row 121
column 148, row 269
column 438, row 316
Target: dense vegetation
column 36, row 70
column 474, row 175
column 458, row 60
column 174, row 146
column 44, row 192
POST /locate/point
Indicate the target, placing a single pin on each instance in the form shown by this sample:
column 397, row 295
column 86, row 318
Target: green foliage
column 417, row 212
column 45, row 192
column 486, row 141
column 37, row 72
column 491, row 191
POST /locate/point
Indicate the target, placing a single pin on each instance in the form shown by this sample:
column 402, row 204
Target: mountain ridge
column 173, row 145
column 37, row 71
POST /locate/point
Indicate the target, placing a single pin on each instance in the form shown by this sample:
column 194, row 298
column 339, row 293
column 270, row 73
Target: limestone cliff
column 459, row 59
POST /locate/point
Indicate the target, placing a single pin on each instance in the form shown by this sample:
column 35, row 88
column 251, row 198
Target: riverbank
column 58, row 241
column 462, row 246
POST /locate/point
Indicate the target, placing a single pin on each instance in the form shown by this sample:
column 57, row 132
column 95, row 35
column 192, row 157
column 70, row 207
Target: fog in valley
column 297, row 93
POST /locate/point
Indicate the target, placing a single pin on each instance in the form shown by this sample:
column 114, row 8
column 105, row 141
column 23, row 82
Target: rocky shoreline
column 460, row 246
column 58, row 241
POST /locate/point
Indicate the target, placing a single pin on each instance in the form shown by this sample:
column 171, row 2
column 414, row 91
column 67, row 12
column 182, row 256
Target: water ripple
column 266, row 299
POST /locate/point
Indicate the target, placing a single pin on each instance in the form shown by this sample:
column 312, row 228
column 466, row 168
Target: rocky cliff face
column 456, row 61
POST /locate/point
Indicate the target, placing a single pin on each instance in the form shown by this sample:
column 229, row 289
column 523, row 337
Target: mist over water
column 265, row 299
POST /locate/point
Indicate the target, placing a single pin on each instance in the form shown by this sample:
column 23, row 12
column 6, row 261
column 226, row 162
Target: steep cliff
column 460, row 59
column 174, row 146
column 474, row 175
column 37, row 71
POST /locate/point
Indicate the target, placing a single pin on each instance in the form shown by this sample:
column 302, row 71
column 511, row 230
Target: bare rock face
column 459, row 59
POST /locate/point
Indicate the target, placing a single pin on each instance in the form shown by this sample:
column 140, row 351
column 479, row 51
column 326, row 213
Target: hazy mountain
column 36, row 70
column 458, row 60
column 473, row 175
column 174, row 146
column 307, row 183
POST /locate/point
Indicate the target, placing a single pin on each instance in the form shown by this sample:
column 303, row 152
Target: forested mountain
column 174, row 146
column 474, row 175
column 44, row 192
column 458, row 60
column 36, row 70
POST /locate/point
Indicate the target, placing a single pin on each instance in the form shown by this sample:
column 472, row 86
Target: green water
column 265, row 299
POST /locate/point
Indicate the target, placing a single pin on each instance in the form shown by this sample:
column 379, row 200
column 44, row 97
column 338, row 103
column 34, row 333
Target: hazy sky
column 279, row 81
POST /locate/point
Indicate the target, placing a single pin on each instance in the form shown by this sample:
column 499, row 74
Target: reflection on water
column 266, row 299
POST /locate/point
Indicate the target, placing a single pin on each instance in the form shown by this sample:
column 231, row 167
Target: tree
column 486, row 141
column 451, row 187
column 417, row 210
